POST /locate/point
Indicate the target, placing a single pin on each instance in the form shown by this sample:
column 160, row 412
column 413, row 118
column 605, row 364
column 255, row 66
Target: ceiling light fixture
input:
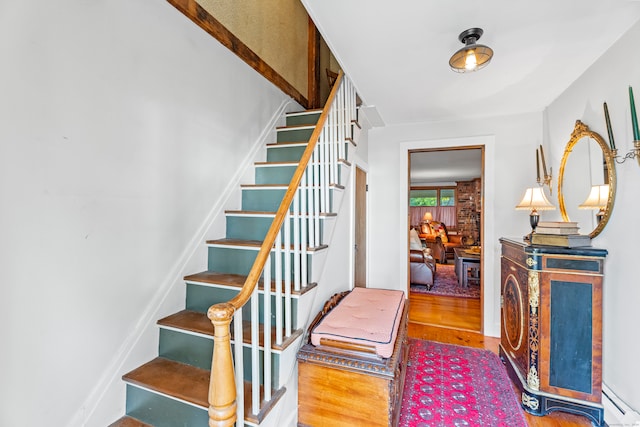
column 472, row 57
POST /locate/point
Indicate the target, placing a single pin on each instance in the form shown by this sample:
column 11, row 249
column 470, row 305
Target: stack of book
column 559, row 233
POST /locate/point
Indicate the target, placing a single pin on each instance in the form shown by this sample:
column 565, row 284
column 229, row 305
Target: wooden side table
column 463, row 262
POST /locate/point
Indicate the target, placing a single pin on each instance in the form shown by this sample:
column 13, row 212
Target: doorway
column 445, row 209
column 360, row 245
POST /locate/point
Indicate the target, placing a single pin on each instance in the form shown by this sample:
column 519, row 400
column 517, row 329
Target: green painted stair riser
column 274, row 174
column 294, row 134
column 285, row 153
column 200, row 298
column 303, row 119
column 281, row 174
column 255, row 228
column 267, row 199
column 239, row 261
column 197, row 351
column 161, row 411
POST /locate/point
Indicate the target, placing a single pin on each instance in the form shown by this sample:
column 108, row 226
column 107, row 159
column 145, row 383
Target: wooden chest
column 342, row 387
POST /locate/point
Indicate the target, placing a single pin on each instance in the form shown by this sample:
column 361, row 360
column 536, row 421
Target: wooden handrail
column 222, row 389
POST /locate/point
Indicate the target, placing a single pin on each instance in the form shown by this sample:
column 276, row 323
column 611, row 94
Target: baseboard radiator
column 616, row 412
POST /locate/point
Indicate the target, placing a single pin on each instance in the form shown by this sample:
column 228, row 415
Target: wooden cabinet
column 551, row 326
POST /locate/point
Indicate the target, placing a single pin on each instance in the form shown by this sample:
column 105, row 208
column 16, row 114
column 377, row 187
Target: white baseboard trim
column 151, row 312
column 616, row 412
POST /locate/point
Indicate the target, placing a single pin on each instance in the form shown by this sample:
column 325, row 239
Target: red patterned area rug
column 446, row 283
column 449, row 385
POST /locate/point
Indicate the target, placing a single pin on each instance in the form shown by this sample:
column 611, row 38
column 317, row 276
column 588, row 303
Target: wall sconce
column 597, row 199
column 534, row 199
column 634, row 153
column 547, row 178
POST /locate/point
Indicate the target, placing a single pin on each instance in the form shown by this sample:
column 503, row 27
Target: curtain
column 445, row 214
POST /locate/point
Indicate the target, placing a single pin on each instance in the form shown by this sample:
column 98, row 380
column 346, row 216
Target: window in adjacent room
column 432, row 197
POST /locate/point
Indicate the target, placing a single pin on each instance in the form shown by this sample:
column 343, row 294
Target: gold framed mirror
column 587, row 181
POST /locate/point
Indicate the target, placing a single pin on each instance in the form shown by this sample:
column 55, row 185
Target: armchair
column 440, row 241
column 422, row 266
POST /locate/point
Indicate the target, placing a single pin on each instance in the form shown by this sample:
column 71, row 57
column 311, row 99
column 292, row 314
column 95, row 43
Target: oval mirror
column 587, row 181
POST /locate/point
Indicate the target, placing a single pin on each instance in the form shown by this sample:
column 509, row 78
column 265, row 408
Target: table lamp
column 597, row 199
column 534, row 199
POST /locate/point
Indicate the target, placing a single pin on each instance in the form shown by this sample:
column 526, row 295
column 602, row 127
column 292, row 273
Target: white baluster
column 255, row 353
column 278, row 285
column 296, row 240
column 309, row 191
column 287, row 272
column 316, row 197
column 266, row 353
column 323, row 171
column 332, row 137
column 303, row 230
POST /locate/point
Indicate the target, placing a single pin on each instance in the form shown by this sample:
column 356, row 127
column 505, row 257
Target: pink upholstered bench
column 366, row 317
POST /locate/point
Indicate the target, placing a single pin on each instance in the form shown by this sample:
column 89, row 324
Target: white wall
column 608, row 80
column 509, row 169
column 121, row 126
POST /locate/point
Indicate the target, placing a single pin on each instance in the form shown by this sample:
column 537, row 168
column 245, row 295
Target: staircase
column 174, row 388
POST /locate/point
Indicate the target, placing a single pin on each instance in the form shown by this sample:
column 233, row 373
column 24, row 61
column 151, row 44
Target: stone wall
column 469, row 203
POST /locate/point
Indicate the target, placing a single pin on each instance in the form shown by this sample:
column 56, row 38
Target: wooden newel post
column 222, row 386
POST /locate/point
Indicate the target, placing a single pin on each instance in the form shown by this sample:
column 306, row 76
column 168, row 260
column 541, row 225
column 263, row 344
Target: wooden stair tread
column 195, row 321
column 129, row 422
column 301, row 143
column 276, row 163
column 191, row 384
column 215, row 278
column 266, row 213
column 296, row 127
column 252, row 243
column 303, row 112
column 283, row 186
column 236, row 281
column 184, row 382
column 287, row 144
column 293, row 163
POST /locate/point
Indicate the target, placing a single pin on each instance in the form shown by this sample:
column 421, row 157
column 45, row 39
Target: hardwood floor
column 475, row 339
column 452, row 312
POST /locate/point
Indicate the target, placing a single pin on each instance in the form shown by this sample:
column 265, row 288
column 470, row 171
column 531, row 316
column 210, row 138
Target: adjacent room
column 445, row 237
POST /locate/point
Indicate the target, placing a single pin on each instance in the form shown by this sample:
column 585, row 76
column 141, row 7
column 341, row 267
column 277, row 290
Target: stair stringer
column 142, row 341
column 335, row 258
